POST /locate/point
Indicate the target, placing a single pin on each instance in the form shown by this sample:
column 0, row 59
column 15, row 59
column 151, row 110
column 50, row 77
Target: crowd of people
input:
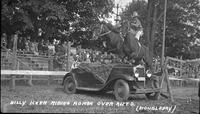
column 58, row 50
column 39, row 47
column 89, row 55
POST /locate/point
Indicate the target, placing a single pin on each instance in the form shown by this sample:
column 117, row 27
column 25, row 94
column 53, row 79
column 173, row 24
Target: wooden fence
column 184, row 71
column 29, row 65
column 16, row 66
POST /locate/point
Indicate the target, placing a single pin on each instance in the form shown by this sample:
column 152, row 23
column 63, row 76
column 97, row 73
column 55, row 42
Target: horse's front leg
column 130, row 60
column 133, row 55
column 148, row 66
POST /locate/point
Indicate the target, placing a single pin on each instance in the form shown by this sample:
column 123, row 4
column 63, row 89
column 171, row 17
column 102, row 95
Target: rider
column 136, row 26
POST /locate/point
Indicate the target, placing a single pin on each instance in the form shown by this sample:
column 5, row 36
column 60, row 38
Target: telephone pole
column 117, row 15
column 163, row 41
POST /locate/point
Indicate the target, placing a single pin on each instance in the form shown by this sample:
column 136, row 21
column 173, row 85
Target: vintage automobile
column 122, row 79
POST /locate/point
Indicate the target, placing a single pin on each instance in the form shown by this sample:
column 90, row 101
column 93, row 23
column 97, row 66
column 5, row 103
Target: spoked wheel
column 121, row 90
column 69, row 85
column 153, row 95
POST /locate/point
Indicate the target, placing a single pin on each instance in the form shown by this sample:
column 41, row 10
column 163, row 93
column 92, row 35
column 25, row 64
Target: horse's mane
column 110, row 27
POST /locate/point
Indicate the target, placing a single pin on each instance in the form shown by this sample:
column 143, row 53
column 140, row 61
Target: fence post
column 30, row 81
column 165, row 77
column 17, row 65
column 15, row 38
column 50, row 68
column 68, row 55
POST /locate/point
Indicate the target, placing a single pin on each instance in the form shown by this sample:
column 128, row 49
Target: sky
column 122, row 4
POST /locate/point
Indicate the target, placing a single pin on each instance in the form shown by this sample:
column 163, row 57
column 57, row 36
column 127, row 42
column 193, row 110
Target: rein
column 103, row 33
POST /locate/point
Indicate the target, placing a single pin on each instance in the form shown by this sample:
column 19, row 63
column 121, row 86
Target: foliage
column 182, row 25
column 60, row 19
column 182, row 28
column 72, row 20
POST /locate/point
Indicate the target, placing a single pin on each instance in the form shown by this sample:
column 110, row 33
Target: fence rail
column 31, row 72
column 184, row 70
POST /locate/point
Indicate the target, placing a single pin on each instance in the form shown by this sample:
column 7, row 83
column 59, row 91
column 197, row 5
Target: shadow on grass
column 95, row 94
column 102, row 95
column 59, row 89
column 98, row 94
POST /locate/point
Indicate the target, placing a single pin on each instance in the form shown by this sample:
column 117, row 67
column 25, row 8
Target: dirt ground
column 46, row 99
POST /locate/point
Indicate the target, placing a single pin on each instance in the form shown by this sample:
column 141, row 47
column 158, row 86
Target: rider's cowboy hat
column 135, row 14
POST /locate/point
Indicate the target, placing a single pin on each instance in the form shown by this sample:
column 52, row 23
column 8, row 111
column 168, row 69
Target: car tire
column 154, row 95
column 121, row 90
column 69, row 85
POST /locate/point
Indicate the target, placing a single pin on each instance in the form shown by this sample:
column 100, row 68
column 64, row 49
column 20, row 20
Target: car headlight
column 149, row 74
column 136, row 74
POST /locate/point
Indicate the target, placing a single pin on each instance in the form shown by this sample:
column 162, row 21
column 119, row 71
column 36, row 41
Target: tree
column 61, row 19
column 182, row 26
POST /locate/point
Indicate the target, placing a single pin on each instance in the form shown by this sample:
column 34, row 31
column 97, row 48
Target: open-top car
column 123, row 79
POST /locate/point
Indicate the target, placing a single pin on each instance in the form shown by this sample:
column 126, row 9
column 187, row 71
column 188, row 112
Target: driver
column 136, row 26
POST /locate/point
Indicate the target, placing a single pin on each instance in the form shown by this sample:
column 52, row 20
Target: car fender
column 67, row 75
column 111, row 81
column 122, row 76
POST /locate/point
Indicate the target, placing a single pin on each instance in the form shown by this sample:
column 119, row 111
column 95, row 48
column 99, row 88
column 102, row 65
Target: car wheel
column 121, row 90
column 69, row 85
column 154, row 95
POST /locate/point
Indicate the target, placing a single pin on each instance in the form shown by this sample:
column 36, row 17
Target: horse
column 135, row 50
column 112, row 40
column 124, row 47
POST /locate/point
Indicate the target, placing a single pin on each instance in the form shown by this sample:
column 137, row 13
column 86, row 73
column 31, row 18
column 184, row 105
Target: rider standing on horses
column 136, row 26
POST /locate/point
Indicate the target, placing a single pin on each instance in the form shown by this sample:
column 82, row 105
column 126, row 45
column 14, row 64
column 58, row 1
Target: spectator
column 88, row 57
column 60, row 54
column 98, row 56
column 92, row 56
column 64, row 48
column 78, row 50
column 15, row 38
column 41, row 47
column 4, row 40
column 27, row 43
column 51, row 49
column 45, row 47
column 10, row 42
column 57, row 47
column 35, row 48
column 31, row 46
column 20, row 44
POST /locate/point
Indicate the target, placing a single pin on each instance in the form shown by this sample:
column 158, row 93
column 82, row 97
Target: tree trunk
column 148, row 29
column 151, row 25
column 152, row 38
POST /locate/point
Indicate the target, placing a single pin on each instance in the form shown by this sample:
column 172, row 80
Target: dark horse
column 124, row 47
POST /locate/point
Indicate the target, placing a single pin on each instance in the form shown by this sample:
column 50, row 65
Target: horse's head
column 125, row 26
column 100, row 29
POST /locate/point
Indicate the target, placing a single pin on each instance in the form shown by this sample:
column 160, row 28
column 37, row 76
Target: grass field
column 46, row 99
